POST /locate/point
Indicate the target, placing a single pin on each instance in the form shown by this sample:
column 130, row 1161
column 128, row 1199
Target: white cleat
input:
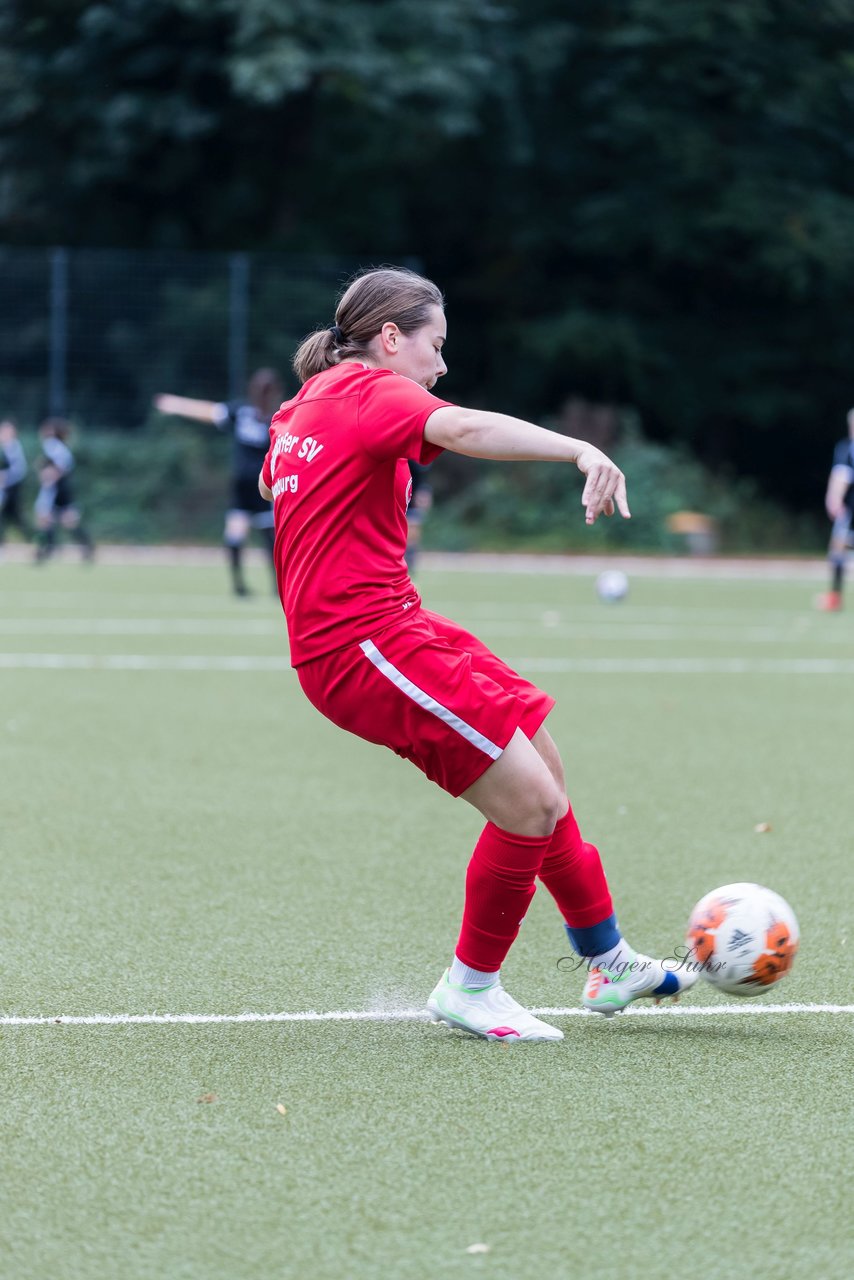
column 610, row 991
column 487, row 1011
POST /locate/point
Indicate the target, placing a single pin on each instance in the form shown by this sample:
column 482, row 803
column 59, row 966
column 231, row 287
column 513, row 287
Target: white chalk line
column 586, row 666
column 142, row 626
column 400, row 1015
column 141, row 662
column 548, row 627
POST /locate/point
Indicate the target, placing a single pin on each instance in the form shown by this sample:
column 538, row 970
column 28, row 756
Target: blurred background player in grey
column 839, row 501
column 249, row 423
column 13, row 468
column 420, row 502
column 55, row 507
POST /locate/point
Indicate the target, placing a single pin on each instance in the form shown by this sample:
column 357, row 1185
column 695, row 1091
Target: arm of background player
column 480, row 434
column 837, row 487
column 184, row 407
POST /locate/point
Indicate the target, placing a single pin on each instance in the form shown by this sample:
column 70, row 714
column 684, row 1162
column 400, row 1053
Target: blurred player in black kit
column 839, row 503
column 420, row 502
column 249, row 423
column 13, row 469
column 55, row 506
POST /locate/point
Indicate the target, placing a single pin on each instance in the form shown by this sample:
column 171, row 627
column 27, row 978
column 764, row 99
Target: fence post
column 58, row 333
column 238, row 324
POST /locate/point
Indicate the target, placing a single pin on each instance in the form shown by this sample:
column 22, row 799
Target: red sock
column 572, row 872
column 500, row 883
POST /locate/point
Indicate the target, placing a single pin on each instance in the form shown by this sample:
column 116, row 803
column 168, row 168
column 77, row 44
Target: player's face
column 419, row 354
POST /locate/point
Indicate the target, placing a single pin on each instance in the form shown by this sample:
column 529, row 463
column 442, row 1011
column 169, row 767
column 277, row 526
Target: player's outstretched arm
column 185, row 407
column 478, row 433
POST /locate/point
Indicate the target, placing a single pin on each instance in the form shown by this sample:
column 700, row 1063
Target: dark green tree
column 642, row 203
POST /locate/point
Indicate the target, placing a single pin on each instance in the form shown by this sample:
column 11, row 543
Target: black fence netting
column 93, row 334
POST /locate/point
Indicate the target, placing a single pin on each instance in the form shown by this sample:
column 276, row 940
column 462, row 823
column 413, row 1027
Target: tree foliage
column 645, row 203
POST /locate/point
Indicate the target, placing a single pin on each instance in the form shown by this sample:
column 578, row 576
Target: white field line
column 142, row 626
column 547, row 627
column 246, row 663
column 549, row 613
column 75, row 600
column 401, row 1015
column 701, row 568
column 691, row 666
column 749, row 569
column 140, row 662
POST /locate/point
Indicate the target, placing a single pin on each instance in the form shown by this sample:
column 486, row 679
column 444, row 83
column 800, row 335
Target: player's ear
column 389, row 336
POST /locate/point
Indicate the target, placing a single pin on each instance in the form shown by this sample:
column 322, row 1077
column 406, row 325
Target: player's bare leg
column 521, row 801
column 837, row 554
column 70, row 521
column 45, row 535
column 532, row 831
column 236, row 532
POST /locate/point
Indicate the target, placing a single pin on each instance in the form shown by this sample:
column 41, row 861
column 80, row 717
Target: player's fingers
column 591, row 498
column 605, row 485
column 621, row 498
column 613, row 493
column 595, row 484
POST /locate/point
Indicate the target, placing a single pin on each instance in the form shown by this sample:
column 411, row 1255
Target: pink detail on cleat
column 503, row 1031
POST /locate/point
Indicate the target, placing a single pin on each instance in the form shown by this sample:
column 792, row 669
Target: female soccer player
column 249, row 423
column 55, row 507
column 839, row 503
column 13, row 469
column 373, row 660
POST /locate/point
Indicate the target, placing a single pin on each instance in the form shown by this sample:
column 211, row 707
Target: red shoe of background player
column 831, row 602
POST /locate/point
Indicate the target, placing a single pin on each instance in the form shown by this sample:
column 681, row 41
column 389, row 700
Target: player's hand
column 605, row 488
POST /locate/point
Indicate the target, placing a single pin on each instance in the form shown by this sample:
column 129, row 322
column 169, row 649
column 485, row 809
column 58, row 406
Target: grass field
column 183, row 835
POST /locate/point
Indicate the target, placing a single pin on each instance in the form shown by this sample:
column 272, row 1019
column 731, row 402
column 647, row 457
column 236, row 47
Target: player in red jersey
column 373, row 660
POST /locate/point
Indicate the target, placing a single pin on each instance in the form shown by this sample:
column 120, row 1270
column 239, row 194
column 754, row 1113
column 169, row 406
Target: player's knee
column 542, row 806
column 236, row 530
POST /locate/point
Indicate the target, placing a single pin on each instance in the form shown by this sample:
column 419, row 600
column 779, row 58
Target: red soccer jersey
column 337, row 466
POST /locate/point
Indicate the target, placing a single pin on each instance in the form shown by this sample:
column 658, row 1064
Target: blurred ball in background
column 612, row 585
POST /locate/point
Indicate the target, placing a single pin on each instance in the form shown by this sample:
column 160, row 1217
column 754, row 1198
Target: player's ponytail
column 315, row 353
column 369, row 301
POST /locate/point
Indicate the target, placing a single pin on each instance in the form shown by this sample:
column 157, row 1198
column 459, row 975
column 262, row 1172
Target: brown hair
column 265, row 392
column 60, row 428
column 368, row 302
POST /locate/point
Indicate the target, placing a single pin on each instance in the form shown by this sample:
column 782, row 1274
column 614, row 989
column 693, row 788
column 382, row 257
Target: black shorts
column 245, row 496
column 64, row 495
column 10, row 504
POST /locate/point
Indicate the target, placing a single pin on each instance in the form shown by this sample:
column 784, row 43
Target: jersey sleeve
column 392, row 414
column 266, row 466
column 224, row 415
column 842, row 457
column 58, row 455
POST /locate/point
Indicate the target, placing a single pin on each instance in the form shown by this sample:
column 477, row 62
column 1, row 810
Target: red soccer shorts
column 431, row 692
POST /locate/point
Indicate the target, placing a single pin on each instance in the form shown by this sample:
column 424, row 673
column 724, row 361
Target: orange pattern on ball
column 701, row 930
column 778, row 958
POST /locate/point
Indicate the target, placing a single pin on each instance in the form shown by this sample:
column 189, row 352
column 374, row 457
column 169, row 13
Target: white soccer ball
column 743, row 938
column 612, row 585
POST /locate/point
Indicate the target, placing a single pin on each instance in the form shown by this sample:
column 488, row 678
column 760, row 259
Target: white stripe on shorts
column 424, row 700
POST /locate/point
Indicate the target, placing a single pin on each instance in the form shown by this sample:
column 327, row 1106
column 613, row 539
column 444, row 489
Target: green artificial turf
column 200, row 841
